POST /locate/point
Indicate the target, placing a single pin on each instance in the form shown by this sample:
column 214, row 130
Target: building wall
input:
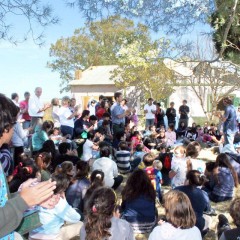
column 186, row 92
column 94, row 90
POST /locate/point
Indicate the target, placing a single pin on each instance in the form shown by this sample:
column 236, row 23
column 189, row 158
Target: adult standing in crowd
column 149, row 110
column 118, row 114
column 55, row 109
column 171, row 114
column 66, row 117
column 98, row 104
column 159, row 115
column 15, row 98
column 184, row 112
column 36, row 108
column 229, row 120
column 24, row 110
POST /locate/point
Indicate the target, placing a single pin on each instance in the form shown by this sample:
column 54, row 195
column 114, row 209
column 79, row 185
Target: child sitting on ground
column 165, row 156
column 25, row 170
column 224, row 230
column 153, row 170
column 78, row 187
column 56, row 136
column 178, row 167
column 88, row 147
column 66, row 168
column 123, row 158
column 53, row 219
column 100, row 221
column 97, row 181
column 43, row 161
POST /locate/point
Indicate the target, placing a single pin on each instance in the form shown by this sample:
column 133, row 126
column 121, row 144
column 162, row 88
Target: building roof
column 95, row 75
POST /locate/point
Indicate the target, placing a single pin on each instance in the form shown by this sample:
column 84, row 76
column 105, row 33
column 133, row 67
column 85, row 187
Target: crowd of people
column 67, row 169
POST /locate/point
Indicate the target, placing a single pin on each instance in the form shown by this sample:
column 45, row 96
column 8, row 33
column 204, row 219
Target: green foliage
column 114, row 41
column 219, row 21
column 95, row 44
column 141, row 65
column 34, row 15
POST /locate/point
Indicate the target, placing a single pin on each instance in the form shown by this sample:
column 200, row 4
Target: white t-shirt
column 34, row 105
column 150, row 108
column 109, row 167
column 63, row 114
column 198, row 165
column 92, row 110
column 179, row 166
column 167, row 231
column 55, row 110
column 87, row 150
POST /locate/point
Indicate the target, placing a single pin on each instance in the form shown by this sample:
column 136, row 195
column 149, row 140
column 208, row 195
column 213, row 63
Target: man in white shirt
column 149, row 110
column 36, row 108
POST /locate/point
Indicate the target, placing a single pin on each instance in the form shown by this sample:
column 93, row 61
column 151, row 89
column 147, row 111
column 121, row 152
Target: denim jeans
column 229, row 137
column 149, row 122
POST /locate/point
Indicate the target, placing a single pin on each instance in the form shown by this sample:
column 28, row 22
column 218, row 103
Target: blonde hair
column 157, row 165
column 181, row 149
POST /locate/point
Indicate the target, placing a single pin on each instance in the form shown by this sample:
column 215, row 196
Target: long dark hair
column 49, row 146
column 195, row 178
column 138, row 184
column 223, row 161
column 99, row 213
column 83, row 169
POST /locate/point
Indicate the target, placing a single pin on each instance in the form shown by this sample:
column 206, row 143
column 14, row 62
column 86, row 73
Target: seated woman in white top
column 180, row 219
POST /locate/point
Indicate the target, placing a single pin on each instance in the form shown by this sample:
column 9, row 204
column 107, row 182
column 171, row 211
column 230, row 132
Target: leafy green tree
column 100, row 43
column 34, row 12
column 176, row 17
column 141, row 65
column 226, row 23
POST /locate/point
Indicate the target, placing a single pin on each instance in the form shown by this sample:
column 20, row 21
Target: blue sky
column 23, row 67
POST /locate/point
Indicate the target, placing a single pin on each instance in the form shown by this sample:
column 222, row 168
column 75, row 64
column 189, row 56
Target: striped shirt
column 123, row 161
column 6, row 161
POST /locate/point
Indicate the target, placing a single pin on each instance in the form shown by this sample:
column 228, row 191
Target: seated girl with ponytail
column 65, row 168
column 43, row 161
column 198, row 198
column 77, row 189
column 97, row 181
column 99, row 220
column 25, row 170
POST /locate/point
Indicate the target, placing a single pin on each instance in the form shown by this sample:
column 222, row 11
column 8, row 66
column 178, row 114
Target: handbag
column 84, row 135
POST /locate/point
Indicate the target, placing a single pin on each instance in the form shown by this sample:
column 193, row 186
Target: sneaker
column 211, row 212
column 223, row 225
column 222, row 221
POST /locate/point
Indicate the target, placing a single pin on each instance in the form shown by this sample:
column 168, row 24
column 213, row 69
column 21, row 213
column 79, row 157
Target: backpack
column 167, row 162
